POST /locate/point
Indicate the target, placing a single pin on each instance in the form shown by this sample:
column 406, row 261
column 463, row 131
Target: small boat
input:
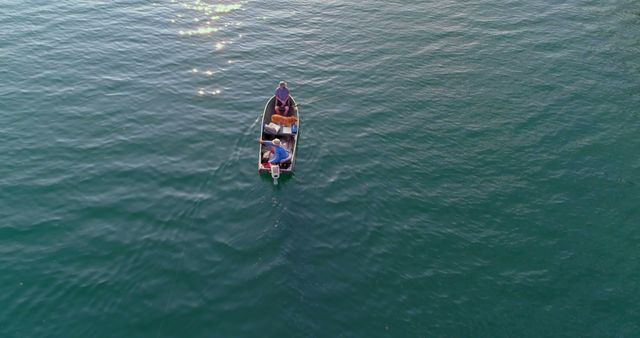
column 286, row 132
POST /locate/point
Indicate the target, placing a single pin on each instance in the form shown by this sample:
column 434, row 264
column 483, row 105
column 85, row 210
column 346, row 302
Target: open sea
column 465, row 169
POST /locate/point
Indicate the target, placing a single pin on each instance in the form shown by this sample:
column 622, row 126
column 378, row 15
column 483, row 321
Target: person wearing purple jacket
column 282, row 99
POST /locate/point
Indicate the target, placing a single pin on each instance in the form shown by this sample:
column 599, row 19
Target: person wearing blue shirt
column 280, row 154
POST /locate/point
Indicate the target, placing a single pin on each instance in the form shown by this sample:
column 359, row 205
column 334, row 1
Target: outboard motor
column 275, row 173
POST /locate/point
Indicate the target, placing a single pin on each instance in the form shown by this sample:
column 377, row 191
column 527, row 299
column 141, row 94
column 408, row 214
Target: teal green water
column 465, row 169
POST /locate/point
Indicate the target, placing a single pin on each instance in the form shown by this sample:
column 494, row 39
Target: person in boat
column 280, row 154
column 282, row 99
